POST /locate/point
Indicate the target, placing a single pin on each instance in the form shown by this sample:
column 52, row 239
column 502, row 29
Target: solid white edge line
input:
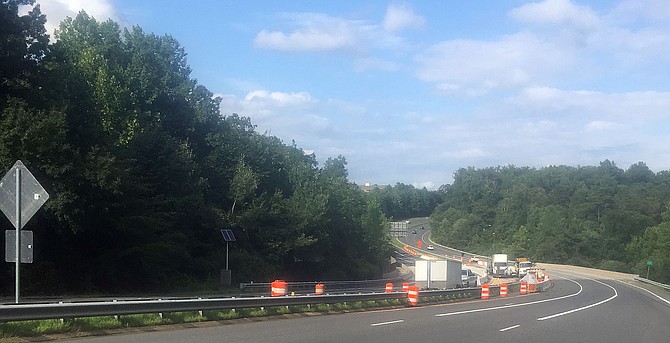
column 515, row 305
column 646, row 290
column 387, row 323
column 616, row 294
column 509, row 328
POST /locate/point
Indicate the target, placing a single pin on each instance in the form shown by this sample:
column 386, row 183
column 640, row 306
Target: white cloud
column 278, row 98
column 57, row 10
column 601, row 125
column 559, row 12
column 479, row 67
column 401, row 16
column 316, row 32
column 465, row 153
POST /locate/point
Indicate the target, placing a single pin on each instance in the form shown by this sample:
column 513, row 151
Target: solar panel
column 228, row 235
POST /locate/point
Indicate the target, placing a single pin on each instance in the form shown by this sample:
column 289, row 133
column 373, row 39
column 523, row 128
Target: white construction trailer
column 437, row 274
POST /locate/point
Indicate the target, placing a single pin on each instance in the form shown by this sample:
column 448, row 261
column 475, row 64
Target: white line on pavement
column 584, row 307
column 646, row 290
column 509, row 328
column 515, row 305
column 387, row 323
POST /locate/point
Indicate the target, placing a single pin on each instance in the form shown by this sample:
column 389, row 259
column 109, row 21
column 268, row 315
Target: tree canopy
column 599, row 216
column 144, row 171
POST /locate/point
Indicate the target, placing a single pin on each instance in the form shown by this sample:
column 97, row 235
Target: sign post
column 20, row 197
column 649, row 264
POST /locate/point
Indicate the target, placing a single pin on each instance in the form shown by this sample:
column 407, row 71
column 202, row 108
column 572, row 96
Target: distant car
column 468, row 278
column 422, row 227
column 407, row 221
column 430, row 247
column 414, row 232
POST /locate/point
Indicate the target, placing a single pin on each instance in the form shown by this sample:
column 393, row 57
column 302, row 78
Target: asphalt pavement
column 582, row 306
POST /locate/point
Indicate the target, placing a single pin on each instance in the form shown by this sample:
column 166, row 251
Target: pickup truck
column 468, row 278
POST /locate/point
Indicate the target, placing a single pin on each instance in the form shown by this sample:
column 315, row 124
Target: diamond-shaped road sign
column 32, row 196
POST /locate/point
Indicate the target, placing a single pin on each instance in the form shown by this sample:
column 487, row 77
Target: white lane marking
column 646, row 290
column 509, row 328
column 616, row 294
column 387, row 323
column 515, row 305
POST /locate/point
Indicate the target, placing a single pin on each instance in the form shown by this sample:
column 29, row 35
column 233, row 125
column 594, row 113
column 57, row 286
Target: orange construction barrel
column 524, row 288
column 318, row 290
column 278, row 288
column 389, row 288
column 485, row 291
column 405, row 287
column 532, row 288
column 503, row 290
column 413, row 296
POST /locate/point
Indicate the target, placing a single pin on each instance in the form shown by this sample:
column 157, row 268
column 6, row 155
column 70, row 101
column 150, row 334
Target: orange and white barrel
column 318, row 290
column 524, row 288
column 485, row 291
column 389, row 288
column 278, row 288
column 405, row 287
column 503, row 290
column 413, row 296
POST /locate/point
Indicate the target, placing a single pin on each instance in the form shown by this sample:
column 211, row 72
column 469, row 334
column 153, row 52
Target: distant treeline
column 143, row 172
column 602, row 216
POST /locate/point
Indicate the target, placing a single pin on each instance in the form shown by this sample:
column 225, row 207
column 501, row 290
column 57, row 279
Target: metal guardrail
column 651, row 282
column 17, row 312
column 338, row 285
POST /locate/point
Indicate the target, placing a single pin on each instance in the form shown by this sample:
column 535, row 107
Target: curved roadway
column 583, row 306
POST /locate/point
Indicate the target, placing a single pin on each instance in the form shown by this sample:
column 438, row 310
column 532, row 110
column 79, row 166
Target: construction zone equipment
column 389, row 288
column 485, row 291
column 503, row 290
column 413, row 296
column 405, row 286
column 524, row 288
column 278, row 288
column 318, row 290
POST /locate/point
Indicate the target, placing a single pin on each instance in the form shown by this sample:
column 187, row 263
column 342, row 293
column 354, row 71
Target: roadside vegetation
column 593, row 216
column 143, row 171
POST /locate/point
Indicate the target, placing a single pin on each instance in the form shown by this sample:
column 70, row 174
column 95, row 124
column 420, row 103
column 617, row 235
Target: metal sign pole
column 18, row 233
column 227, row 255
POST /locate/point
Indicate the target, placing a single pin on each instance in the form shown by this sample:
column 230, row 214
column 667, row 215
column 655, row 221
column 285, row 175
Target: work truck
column 499, row 265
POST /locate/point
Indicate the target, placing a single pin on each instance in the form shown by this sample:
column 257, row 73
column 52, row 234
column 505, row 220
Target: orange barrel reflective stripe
column 278, row 288
column 405, row 287
column 389, row 287
column 503, row 290
column 524, row 288
column 413, row 296
column 318, row 290
column 485, row 291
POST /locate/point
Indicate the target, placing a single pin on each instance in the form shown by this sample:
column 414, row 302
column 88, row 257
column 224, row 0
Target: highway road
column 583, row 306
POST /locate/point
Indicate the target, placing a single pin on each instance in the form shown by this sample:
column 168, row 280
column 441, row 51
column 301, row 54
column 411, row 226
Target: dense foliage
column 592, row 216
column 143, row 171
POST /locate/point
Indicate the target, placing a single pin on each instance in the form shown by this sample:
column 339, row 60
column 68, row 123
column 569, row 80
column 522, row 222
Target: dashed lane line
column 509, row 328
column 388, row 323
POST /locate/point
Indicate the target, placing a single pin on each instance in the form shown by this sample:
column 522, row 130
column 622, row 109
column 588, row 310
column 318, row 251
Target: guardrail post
column 160, row 314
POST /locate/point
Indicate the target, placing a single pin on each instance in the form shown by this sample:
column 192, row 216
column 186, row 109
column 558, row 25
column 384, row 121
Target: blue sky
column 411, row 91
